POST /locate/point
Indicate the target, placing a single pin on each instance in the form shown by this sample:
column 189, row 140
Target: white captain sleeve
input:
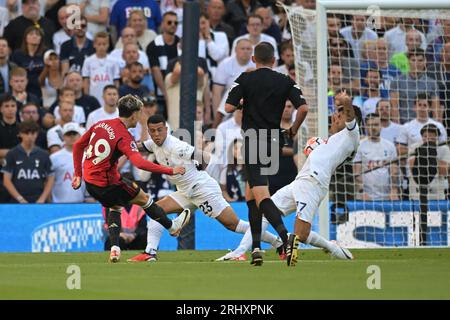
column 353, row 133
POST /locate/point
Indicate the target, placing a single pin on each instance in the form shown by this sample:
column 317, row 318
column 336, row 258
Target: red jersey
column 103, row 144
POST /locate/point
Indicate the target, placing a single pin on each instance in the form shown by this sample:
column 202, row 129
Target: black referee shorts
column 253, row 164
column 116, row 194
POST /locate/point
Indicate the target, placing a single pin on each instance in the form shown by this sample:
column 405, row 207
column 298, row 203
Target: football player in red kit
column 103, row 144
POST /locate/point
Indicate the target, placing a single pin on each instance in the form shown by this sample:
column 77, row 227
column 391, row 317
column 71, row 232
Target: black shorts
column 116, row 194
column 256, row 160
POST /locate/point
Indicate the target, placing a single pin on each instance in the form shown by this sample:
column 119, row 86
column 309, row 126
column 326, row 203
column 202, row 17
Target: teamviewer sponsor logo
column 77, row 233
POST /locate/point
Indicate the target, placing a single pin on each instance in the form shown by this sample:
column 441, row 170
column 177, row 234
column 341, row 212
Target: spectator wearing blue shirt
column 371, row 93
column 122, row 9
column 381, row 62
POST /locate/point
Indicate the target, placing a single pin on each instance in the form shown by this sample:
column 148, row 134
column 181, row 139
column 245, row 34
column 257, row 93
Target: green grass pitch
column 184, row 275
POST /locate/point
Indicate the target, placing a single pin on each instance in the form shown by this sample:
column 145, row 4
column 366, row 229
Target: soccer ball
column 312, row 144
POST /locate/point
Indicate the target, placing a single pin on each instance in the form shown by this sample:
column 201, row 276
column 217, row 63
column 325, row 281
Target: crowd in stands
column 57, row 80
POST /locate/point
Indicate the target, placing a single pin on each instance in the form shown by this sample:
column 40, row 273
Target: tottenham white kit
column 375, row 155
column 310, row 186
column 195, row 186
column 62, row 166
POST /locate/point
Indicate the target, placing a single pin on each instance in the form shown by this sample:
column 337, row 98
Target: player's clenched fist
column 179, row 170
column 343, row 99
column 76, row 182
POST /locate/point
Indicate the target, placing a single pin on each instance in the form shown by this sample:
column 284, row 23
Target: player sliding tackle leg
column 102, row 145
column 153, row 211
column 227, row 217
column 307, row 191
column 194, row 188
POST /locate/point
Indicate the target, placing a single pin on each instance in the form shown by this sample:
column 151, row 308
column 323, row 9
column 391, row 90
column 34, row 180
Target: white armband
column 351, row 125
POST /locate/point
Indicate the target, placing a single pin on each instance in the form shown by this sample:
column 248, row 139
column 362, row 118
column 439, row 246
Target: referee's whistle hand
column 76, row 182
column 179, row 170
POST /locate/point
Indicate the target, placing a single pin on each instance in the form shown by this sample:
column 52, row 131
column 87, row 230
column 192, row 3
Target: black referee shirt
column 265, row 92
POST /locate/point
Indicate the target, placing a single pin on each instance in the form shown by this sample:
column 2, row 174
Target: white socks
column 154, row 233
column 242, row 227
column 267, row 236
column 317, row 240
column 246, row 242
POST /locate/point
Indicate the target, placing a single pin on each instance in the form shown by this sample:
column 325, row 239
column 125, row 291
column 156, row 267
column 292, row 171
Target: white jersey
column 391, row 132
column 410, row 132
column 226, row 73
column 174, row 152
column 62, row 166
column 116, row 55
column 324, row 159
column 100, row 114
column 101, row 72
column 78, row 114
column 55, row 136
column 372, row 154
column 263, row 38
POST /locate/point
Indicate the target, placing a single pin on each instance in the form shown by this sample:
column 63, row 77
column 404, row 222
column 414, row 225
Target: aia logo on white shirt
column 67, row 176
column 101, row 78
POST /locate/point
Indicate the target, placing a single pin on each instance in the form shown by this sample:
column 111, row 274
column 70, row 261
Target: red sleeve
column 137, row 160
column 78, row 150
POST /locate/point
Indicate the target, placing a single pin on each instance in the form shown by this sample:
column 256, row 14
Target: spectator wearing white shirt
column 213, row 45
column 109, row 110
column 4, row 19
column 54, row 135
column 374, row 166
column 62, row 166
column 396, row 37
column 389, row 129
column 255, row 35
column 64, row 33
column 410, row 132
column 357, row 33
column 68, row 95
column 99, row 71
column 226, row 133
column 288, row 58
column 439, row 185
column 129, row 38
column 96, row 13
column 228, row 71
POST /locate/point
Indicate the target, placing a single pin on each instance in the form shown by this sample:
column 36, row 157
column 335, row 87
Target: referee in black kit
column 262, row 95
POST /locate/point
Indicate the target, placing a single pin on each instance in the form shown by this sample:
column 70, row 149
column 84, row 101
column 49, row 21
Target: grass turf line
column 405, row 274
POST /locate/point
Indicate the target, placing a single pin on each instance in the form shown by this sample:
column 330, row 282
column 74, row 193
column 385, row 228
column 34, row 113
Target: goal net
column 395, row 64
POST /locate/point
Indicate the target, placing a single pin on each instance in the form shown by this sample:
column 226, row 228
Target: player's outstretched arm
column 138, row 161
